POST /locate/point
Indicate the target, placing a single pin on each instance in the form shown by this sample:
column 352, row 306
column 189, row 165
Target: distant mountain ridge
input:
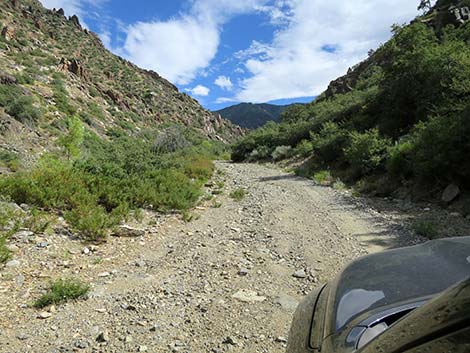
column 252, row 116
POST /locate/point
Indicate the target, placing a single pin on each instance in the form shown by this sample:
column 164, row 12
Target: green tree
column 72, row 141
column 425, row 5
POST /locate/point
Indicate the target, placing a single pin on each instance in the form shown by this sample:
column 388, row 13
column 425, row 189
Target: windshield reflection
column 356, row 301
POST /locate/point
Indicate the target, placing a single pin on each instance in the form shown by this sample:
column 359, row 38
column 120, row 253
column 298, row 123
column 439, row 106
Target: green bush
column 426, row 228
column 282, row 152
column 330, row 142
column 323, row 177
column 61, row 96
column 100, row 186
column 10, row 160
column 304, row 149
column 400, row 159
column 367, row 152
column 22, row 109
column 62, row 291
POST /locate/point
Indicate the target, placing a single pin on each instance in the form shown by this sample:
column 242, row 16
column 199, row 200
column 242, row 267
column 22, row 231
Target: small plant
column 189, row 217
column 339, row 185
column 216, row 204
column 238, row 194
column 62, row 291
column 38, row 221
column 322, row 177
column 4, row 252
column 426, row 228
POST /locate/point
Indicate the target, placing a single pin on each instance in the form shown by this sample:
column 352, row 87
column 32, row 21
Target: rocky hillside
column 252, row 116
column 52, row 68
column 397, row 123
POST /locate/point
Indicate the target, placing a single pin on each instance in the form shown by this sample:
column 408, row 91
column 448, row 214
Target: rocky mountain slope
column 252, row 116
column 52, row 68
column 396, row 123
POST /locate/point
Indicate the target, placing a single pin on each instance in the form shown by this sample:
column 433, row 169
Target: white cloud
column 224, row 82
column 199, row 90
column 222, row 100
column 176, row 49
column 182, row 47
column 294, row 64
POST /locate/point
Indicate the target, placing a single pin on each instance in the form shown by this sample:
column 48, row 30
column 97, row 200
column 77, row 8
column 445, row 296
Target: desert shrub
column 282, row 152
column 238, row 194
column 22, row 109
column 25, row 78
column 18, row 105
column 304, row 148
column 61, row 96
column 442, row 147
column 426, row 228
column 400, row 159
column 62, row 291
column 329, row 142
column 367, row 152
column 10, row 160
column 5, row 254
column 260, row 153
column 323, row 177
column 170, row 140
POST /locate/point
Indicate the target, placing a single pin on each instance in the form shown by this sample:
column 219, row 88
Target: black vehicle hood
column 399, row 275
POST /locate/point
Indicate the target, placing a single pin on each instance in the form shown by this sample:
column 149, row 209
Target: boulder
column 450, row 193
column 7, row 79
column 74, row 19
column 8, row 33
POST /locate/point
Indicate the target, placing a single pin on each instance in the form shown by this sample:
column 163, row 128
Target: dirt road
column 228, row 281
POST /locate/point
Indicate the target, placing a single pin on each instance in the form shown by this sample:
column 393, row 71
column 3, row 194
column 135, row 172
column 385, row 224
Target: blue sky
column 227, row 51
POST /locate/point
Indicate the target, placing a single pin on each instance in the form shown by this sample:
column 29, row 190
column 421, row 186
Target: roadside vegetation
column 62, row 291
column 405, row 122
column 238, row 194
column 98, row 183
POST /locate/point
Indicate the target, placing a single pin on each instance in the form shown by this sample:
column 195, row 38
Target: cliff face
column 65, row 70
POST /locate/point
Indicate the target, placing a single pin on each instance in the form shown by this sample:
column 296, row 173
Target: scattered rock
column 22, row 235
column 42, row 245
column 248, row 296
column 81, row 344
column 450, row 193
column 86, row 251
column 44, row 315
column 12, row 248
column 243, row 272
column 143, row 349
column 104, row 274
column 13, row 263
column 19, row 280
column 299, row 274
column 128, row 231
column 281, row 339
column 103, row 336
column 230, row 340
column 286, row 302
column 22, row 336
column 7, row 79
